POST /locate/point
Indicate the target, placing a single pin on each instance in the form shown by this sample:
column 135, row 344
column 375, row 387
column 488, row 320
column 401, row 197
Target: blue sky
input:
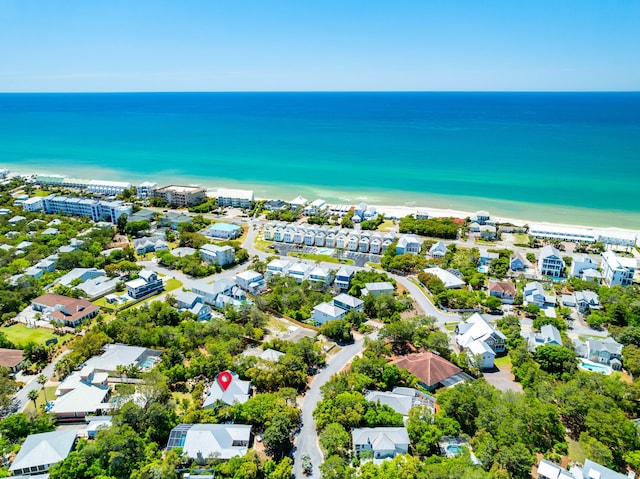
column 210, row 45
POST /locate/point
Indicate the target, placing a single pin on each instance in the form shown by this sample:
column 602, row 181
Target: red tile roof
column 430, row 368
column 70, row 309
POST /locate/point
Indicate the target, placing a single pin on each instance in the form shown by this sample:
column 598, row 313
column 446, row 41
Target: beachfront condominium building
column 551, row 263
column 102, row 187
column 616, row 270
column 182, row 196
column 145, row 190
column 69, row 205
column 109, row 188
column 235, row 198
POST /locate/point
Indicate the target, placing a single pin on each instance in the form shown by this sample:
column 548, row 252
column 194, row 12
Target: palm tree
column 33, row 395
column 42, row 379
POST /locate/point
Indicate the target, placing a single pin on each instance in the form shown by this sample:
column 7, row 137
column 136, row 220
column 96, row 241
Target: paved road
column 307, row 439
column 426, row 304
column 22, row 395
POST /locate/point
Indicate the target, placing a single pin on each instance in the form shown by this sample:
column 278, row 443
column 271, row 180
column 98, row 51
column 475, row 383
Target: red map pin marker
column 224, row 379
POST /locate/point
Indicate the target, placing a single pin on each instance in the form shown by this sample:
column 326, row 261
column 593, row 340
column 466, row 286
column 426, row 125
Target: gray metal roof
column 44, row 449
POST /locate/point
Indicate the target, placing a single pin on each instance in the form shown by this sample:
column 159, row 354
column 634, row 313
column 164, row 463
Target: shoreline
column 377, row 198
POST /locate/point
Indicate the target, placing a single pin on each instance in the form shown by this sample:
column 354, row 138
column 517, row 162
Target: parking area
column 360, row 259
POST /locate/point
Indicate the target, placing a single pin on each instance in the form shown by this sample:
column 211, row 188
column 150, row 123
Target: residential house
column 271, row 355
column 325, row 312
column 348, row 302
column 450, row 280
column 97, row 287
column 590, row 470
column 145, row 284
column 534, row 293
column 81, row 394
column 298, row 202
column 383, row 442
column 602, row 351
column 224, row 230
column 408, row 245
column 402, row 399
column 228, row 388
column 438, row 250
column 183, row 251
column 250, row 281
column 550, row 470
column 486, row 257
column 193, row 303
column 343, row 277
column 12, row 359
column 319, row 275
column 431, row 369
column 33, row 272
column 222, row 255
column 215, row 294
column 580, row 263
column 548, row 334
column 378, row 288
column 16, row 219
column 142, row 215
column 300, row 271
column 505, row 290
column 550, row 262
column 149, row 244
column 586, row 300
column 146, row 189
column 48, row 264
column 114, row 355
column 591, row 274
column 616, row 270
column 476, row 330
column 70, row 311
column 79, row 275
column 278, row 267
column 41, row 451
column 315, row 207
column 517, row 262
column 208, row 441
column 352, row 242
column 275, row 205
column 172, row 219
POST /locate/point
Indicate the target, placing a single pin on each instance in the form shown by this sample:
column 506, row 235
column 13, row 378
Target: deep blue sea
column 564, row 157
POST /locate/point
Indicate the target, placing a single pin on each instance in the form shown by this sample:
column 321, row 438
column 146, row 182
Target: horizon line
column 90, row 92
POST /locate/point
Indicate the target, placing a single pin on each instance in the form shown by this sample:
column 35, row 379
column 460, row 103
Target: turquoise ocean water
column 561, row 157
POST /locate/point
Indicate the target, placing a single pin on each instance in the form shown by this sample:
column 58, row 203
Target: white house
column 548, row 334
column 579, row 264
column 616, row 270
column 278, row 267
column 378, row 288
column 450, row 280
column 408, row 245
column 222, row 255
column 205, row 441
column 223, row 230
column 325, row 312
column 586, row 300
column 600, row 351
column 534, row 293
column 550, row 262
column 227, row 388
column 476, row 330
column 147, row 282
column 250, row 280
column 41, row 451
column 320, row 275
column 300, row 271
column 383, row 442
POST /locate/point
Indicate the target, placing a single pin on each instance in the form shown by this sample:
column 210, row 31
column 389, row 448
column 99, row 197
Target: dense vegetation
column 435, row 227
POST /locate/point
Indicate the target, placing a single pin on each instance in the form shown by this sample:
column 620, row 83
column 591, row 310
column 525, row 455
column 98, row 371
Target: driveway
column 22, row 396
column 502, row 379
column 307, row 439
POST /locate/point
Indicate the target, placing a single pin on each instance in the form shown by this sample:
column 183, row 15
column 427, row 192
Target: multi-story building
column 235, row 198
column 551, row 263
column 70, row 205
column 616, row 270
column 147, row 282
column 181, row 196
column 222, row 255
column 110, row 188
column 145, row 190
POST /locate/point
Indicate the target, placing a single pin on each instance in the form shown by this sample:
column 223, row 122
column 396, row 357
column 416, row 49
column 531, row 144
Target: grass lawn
column 172, row 284
column 261, row 245
column 575, row 451
column 521, row 238
column 450, row 326
column 50, row 393
column 503, row 362
column 19, row 334
column 387, row 225
column 321, row 257
column 374, row 265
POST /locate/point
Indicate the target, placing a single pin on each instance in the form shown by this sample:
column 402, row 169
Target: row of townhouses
column 334, row 237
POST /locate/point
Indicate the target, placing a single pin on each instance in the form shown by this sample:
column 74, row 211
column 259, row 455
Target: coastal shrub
column 435, row 227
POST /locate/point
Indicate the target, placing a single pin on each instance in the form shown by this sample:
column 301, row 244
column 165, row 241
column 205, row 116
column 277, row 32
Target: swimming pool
column 595, row 368
column 454, row 448
column 325, row 251
column 148, row 363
